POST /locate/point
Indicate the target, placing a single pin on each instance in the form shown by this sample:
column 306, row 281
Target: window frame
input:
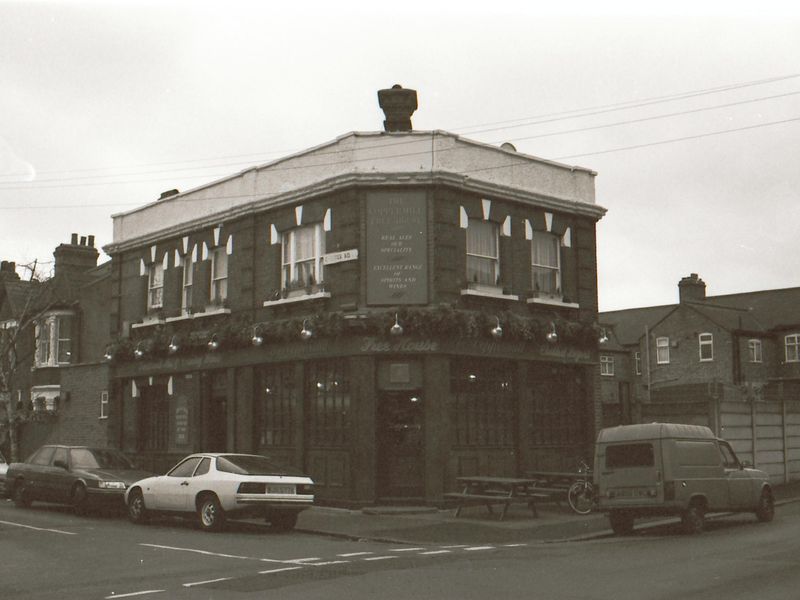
column 558, row 293
column 218, row 284
column 662, row 344
column 50, row 347
column 187, row 282
column 154, row 285
column 103, row 405
column 637, row 363
column 792, row 340
column 289, row 262
column 705, row 341
column 755, row 350
column 606, row 365
column 494, row 261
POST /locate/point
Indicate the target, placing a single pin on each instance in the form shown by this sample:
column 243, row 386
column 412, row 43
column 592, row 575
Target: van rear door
column 630, row 472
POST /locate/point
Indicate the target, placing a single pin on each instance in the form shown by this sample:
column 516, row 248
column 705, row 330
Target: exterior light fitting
column 108, row 355
column 213, row 343
column 472, row 378
column 139, row 351
column 173, row 345
column 497, row 331
column 258, row 338
column 603, row 336
column 305, row 332
column 396, row 329
column 552, row 336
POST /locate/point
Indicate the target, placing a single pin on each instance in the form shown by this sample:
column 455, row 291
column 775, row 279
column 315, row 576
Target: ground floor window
column 559, row 406
column 154, row 418
column 278, row 397
column 327, row 386
column 483, row 407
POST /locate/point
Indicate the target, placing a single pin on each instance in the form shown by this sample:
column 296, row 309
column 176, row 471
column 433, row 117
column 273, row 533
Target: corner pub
column 386, row 312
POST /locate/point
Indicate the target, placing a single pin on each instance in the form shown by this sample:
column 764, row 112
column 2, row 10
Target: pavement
column 429, row 525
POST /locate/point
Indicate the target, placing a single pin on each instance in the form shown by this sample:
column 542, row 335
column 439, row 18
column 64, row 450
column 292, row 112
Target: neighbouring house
column 385, row 311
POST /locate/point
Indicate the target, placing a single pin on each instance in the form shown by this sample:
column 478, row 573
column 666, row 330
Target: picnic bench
column 504, row 491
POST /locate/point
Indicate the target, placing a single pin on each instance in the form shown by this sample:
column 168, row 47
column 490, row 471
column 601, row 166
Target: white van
column 671, row 469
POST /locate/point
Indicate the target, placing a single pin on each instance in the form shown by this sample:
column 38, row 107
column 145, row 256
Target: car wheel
column 621, row 522
column 210, row 513
column 283, row 521
column 766, row 507
column 137, row 511
column 693, row 519
column 21, row 497
column 79, row 499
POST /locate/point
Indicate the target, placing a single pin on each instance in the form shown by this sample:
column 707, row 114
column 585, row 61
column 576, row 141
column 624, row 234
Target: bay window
column 54, row 334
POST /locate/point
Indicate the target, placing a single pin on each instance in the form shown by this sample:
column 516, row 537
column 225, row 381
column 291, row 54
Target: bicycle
column 581, row 493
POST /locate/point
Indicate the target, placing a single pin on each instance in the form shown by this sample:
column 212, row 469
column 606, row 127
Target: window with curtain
column 219, row 275
column 302, row 249
column 188, row 278
column 483, row 252
column 754, row 350
column 155, row 286
column 546, row 264
column 54, row 334
column 662, row 350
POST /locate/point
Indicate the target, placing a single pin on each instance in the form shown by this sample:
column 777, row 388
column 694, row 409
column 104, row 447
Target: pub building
column 385, row 312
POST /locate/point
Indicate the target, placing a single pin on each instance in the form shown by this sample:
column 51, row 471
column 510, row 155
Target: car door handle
column 184, row 483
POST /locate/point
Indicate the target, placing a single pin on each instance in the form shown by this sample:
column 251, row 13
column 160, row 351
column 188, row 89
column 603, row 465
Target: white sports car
column 214, row 486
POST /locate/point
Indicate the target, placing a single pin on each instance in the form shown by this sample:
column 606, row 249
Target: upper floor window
column 706, row 344
column 637, row 362
column 188, row 278
column 546, row 264
column 607, row 366
column 303, row 249
column 54, row 340
column 103, row 405
column 483, row 252
column 219, row 275
column 155, row 286
column 754, row 350
column 662, row 350
column 792, row 347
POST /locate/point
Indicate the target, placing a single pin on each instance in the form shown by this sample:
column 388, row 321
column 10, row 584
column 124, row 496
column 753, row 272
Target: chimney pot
column 91, row 241
column 74, row 239
column 398, row 105
column 83, row 240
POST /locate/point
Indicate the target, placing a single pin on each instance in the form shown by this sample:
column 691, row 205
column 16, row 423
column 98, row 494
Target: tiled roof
column 629, row 324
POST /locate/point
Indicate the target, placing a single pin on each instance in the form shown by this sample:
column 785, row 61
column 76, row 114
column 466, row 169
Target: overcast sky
column 104, row 105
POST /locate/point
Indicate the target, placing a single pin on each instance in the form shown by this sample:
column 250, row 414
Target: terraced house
column 386, row 311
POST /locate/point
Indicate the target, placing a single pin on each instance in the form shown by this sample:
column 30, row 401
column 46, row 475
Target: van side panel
column 697, row 470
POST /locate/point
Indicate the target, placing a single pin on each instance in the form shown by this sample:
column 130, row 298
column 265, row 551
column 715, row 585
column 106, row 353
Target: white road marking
column 455, row 546
column 479, row 548
column 380, row 557
column 405, row 549
column 142, row 593
column 279, row 570
column 218, row 554
column 207, row 581
column 38, row 528
column 330, row 562
column 302, row 560
column 514, row 545
column 435, row 552
column 349, row 554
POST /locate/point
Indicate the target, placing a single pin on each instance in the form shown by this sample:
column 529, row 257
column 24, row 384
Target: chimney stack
column 691, row 288
column 8, row 271
column 398, row 105
column 76, row 256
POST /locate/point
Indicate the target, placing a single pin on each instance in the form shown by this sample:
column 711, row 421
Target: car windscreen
column 246, row 464
column 92, row 458
column 629, row 455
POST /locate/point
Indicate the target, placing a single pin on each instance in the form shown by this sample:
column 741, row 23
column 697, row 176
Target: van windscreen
column 629, row 455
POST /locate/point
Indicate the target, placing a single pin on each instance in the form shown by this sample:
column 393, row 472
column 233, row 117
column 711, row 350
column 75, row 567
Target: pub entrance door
column 400, row 445
column 215, row 413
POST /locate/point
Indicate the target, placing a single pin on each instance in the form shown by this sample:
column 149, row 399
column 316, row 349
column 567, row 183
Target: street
column 47, row 552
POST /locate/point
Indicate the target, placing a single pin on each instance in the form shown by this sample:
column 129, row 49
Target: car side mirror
column 61, row 464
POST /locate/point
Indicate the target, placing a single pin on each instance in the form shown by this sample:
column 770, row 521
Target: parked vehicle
column 214, row 486
column 80, row 476
column 3, row 469
column 672, row 469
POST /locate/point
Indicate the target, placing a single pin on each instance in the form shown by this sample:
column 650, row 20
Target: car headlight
column 112, row 485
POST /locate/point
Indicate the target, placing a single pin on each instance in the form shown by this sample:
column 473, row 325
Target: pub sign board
column 397, row 248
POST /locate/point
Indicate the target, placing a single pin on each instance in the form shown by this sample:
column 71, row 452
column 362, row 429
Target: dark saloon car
column 76, row 475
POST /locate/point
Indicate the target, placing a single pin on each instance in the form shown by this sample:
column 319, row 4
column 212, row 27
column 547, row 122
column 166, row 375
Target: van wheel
column 693, row 519
column 766, row 507
column 621, row 522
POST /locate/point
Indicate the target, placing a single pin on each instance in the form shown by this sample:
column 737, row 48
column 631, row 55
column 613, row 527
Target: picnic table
column 500, row 490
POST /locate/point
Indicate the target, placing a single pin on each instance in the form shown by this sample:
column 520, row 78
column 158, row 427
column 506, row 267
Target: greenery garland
column 441, row 321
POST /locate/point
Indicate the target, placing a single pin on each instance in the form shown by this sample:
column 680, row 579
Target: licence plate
column 280, row 489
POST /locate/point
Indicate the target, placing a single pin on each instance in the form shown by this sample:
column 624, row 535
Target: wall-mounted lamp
column 552, row 336
column 108, row 355
column 603, row 337
column 139, row 351
column 396, row 329
column 497, row 331
column 257, row 338
column 173, row 345
column 472, row 378
column 213, row 343
column 305, row 332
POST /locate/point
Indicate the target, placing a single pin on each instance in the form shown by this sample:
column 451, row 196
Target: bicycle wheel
column 581, row 497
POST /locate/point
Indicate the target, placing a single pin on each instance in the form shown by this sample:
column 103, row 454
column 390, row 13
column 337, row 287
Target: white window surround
column 606, row 366
column 546, row 265
column 792, row 347
column 662, row 350
column 755, row 350
column 155, row 286
column 218, row 292
column 103, row 405
column 637, row 363
column 483, row 252
column 54, row 350
column 706, row 347
column 43, row 397
column 302, row 252
column 187, row 281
